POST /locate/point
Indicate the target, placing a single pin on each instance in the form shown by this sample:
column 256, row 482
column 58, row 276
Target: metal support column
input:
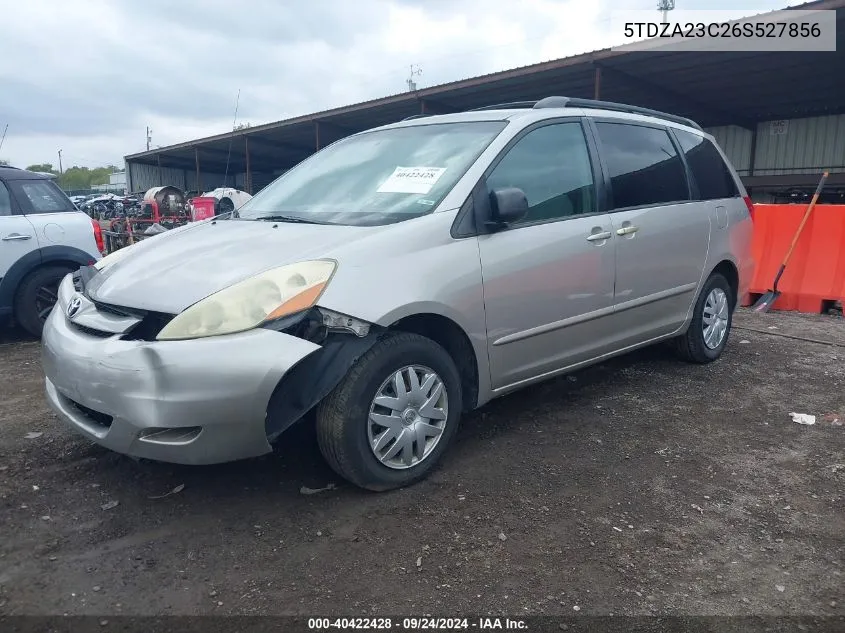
column 753, row 157
column 248, row 183
column 597, row 83
column 197, row 163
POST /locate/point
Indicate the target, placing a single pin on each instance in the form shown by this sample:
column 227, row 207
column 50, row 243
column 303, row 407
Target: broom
column 764, row 303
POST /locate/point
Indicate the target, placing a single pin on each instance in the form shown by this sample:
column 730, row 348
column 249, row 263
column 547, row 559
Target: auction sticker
column 411, row 180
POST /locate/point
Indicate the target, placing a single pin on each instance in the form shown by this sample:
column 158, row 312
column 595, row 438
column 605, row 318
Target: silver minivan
column 402, row 277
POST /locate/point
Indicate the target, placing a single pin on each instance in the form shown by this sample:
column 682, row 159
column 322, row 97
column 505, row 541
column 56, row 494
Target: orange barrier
column 815, row 275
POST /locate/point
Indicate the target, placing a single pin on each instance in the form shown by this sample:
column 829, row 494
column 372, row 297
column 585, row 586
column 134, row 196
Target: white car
column 43, row 237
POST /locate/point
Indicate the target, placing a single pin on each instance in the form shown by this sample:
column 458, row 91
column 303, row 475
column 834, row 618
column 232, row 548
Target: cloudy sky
column 87, row 76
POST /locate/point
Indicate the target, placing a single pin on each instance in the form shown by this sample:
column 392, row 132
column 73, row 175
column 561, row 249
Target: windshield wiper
column 291, row 218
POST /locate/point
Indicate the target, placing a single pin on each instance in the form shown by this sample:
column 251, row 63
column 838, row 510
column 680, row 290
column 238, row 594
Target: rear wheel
column 391, row 419
column 707, row 336
column 36, row 297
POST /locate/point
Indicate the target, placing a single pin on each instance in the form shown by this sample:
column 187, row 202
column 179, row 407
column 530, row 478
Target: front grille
column 118, row 310
column 146, row 329
column 91, row 331
column 98, row 418
column 149, row 327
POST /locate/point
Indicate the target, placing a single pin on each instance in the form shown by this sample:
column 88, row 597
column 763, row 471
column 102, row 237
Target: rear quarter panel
column 735, row 244
column 67, row 228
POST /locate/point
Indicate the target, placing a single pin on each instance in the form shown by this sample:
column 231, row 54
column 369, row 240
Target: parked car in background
column 43, row 237
column 401, row 277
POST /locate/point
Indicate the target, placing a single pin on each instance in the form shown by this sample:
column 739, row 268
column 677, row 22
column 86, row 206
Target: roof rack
column 514, row 105
column 575, row 102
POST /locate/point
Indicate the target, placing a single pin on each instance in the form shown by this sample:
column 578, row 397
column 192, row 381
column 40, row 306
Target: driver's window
column 551, row 164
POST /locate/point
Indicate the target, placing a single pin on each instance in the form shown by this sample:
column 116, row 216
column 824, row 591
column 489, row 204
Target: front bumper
column 190, row 402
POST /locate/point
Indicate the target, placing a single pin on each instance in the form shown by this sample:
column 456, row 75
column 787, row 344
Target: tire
column 345, row 429
column 693, row 346
column 225, row 206
column 36, row 296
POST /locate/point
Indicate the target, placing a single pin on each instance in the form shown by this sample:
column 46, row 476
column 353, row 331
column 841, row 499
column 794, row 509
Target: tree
column 45, row 167
column 4, row 163
column 77, row 178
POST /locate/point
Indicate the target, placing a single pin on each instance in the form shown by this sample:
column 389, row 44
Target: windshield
column 375, row 178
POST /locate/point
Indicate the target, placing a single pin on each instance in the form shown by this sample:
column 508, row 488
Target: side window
column 40, row 196
column 712, row 176
column 644, row 167
column 5, row 201
column 551, row 164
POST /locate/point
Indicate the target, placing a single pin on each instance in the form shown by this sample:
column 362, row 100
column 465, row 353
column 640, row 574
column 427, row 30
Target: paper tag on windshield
column 411, row 180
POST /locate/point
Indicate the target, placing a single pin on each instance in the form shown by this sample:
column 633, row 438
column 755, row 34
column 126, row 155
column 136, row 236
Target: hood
column 171, row 271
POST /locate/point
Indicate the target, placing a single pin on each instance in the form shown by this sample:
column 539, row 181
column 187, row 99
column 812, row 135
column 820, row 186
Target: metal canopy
column 712, row 88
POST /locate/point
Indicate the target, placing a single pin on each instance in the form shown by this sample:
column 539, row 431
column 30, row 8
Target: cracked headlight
column 268, row 296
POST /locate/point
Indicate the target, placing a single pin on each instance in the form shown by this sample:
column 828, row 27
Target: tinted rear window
column 644, row 167
column 40, row 196
column 709, row 171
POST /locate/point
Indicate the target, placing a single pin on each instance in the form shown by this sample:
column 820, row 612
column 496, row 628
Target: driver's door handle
column 598, row 237
column 16, row 236
column 627, row 230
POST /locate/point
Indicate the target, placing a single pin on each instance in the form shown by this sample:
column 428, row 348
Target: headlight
column 111, row 258
column 268, row 296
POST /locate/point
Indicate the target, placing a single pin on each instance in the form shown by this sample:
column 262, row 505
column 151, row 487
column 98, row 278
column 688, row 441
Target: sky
column 88, row 76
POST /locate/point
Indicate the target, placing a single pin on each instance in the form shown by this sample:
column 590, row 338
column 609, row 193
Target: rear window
column 40, row 196
column 711, row 175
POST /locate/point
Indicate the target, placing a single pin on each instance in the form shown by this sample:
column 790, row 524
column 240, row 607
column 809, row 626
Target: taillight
column 98, row 235
column 750, row 206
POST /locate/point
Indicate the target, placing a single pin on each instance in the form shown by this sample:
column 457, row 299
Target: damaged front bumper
column 199, row 401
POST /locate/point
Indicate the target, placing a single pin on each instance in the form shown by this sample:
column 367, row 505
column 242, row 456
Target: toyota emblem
column 73, row 306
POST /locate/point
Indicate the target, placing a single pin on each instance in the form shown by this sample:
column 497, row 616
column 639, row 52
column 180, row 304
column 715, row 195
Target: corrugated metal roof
column 715, row 89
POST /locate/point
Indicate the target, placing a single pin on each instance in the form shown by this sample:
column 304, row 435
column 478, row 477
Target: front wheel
column 707, row 336
column 36, row 297
column 391, row 419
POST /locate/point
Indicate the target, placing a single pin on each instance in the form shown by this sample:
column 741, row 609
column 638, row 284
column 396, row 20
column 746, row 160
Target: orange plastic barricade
column 815, row 276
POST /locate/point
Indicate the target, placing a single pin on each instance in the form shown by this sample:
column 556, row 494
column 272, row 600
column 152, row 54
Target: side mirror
column 506, row 206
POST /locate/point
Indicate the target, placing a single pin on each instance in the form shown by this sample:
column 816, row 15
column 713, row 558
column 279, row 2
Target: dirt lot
column 639, row 487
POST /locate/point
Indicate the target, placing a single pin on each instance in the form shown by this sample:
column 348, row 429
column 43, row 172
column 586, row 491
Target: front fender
column 32, row 260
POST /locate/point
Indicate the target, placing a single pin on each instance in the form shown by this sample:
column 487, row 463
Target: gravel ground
column 642, row 486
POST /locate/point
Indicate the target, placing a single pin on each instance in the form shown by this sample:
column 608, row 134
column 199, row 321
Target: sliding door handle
column 627, row 230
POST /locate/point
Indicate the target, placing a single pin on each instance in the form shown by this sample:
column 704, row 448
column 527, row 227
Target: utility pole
column 149, row 137
column 416, row 71
column 60, row 163
column 664, row 6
